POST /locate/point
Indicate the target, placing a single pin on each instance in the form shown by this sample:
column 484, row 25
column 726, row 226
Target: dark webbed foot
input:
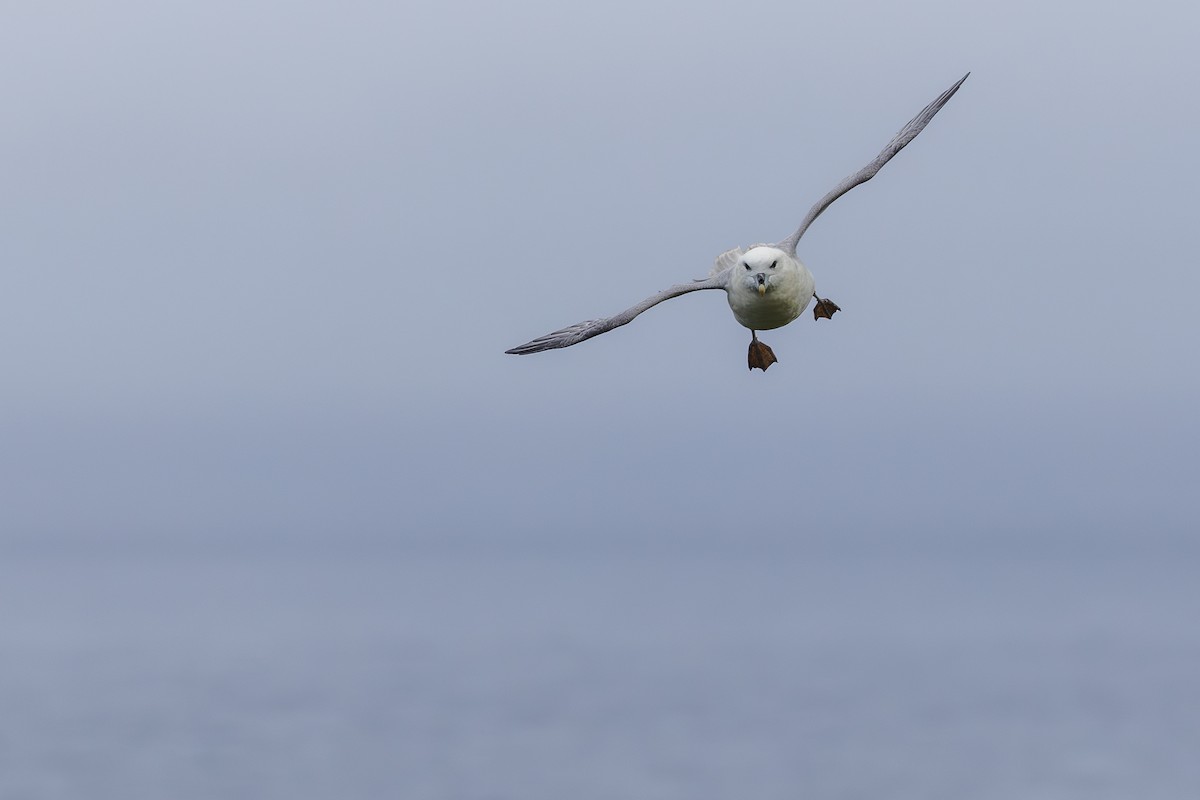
column 825, row 309
column 760, row 355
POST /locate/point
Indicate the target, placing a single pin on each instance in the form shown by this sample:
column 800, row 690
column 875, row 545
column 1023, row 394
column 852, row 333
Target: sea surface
column 483, row 674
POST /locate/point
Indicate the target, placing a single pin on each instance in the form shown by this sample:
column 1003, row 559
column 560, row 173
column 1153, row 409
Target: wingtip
column 937, row 104
column 534, row 346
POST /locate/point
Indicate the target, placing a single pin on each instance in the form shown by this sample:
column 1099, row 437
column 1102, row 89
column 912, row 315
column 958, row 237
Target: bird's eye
column 773, row 263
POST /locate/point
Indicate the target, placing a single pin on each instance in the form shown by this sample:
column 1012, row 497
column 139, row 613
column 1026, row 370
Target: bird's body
column 787, row 288
column 767, row 286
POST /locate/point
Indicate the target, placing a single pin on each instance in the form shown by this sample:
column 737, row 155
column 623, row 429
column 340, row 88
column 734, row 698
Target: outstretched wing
column 906, row 135
column 594, row 327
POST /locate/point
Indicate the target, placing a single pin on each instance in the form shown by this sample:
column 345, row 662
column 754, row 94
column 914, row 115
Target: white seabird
column 767, row 286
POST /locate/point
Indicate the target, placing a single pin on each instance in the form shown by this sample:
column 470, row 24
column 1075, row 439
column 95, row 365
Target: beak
column 762, row 283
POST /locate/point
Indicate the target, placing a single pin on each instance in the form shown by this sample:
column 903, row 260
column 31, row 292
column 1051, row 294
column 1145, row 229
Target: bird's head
column 761, row 265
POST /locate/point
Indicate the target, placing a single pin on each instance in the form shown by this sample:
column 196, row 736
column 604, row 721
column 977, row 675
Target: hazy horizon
column 274, row 499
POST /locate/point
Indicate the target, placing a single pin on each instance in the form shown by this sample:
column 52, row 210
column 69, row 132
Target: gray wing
column 906, row 135
column 594, row 327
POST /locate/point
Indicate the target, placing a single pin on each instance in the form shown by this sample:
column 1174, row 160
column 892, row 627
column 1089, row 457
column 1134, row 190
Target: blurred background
column 278, row 518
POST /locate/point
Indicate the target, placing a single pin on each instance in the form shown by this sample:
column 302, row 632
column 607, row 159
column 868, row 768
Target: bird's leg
column 824, row 308
column 760, row 355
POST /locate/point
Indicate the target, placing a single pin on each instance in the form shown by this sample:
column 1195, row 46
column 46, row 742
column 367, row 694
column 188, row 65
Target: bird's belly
column 767, row 311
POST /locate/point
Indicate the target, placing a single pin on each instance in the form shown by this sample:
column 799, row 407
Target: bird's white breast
column 791, row 290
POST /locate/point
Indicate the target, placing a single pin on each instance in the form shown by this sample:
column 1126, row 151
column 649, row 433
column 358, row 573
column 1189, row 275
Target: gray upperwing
column 574, row 334
column 906, row 135
column 726, row 260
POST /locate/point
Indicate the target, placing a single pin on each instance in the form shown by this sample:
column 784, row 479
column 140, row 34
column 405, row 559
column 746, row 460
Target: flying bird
column 766, row 284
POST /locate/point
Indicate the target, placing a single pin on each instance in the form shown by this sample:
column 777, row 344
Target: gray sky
column 261, row 261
